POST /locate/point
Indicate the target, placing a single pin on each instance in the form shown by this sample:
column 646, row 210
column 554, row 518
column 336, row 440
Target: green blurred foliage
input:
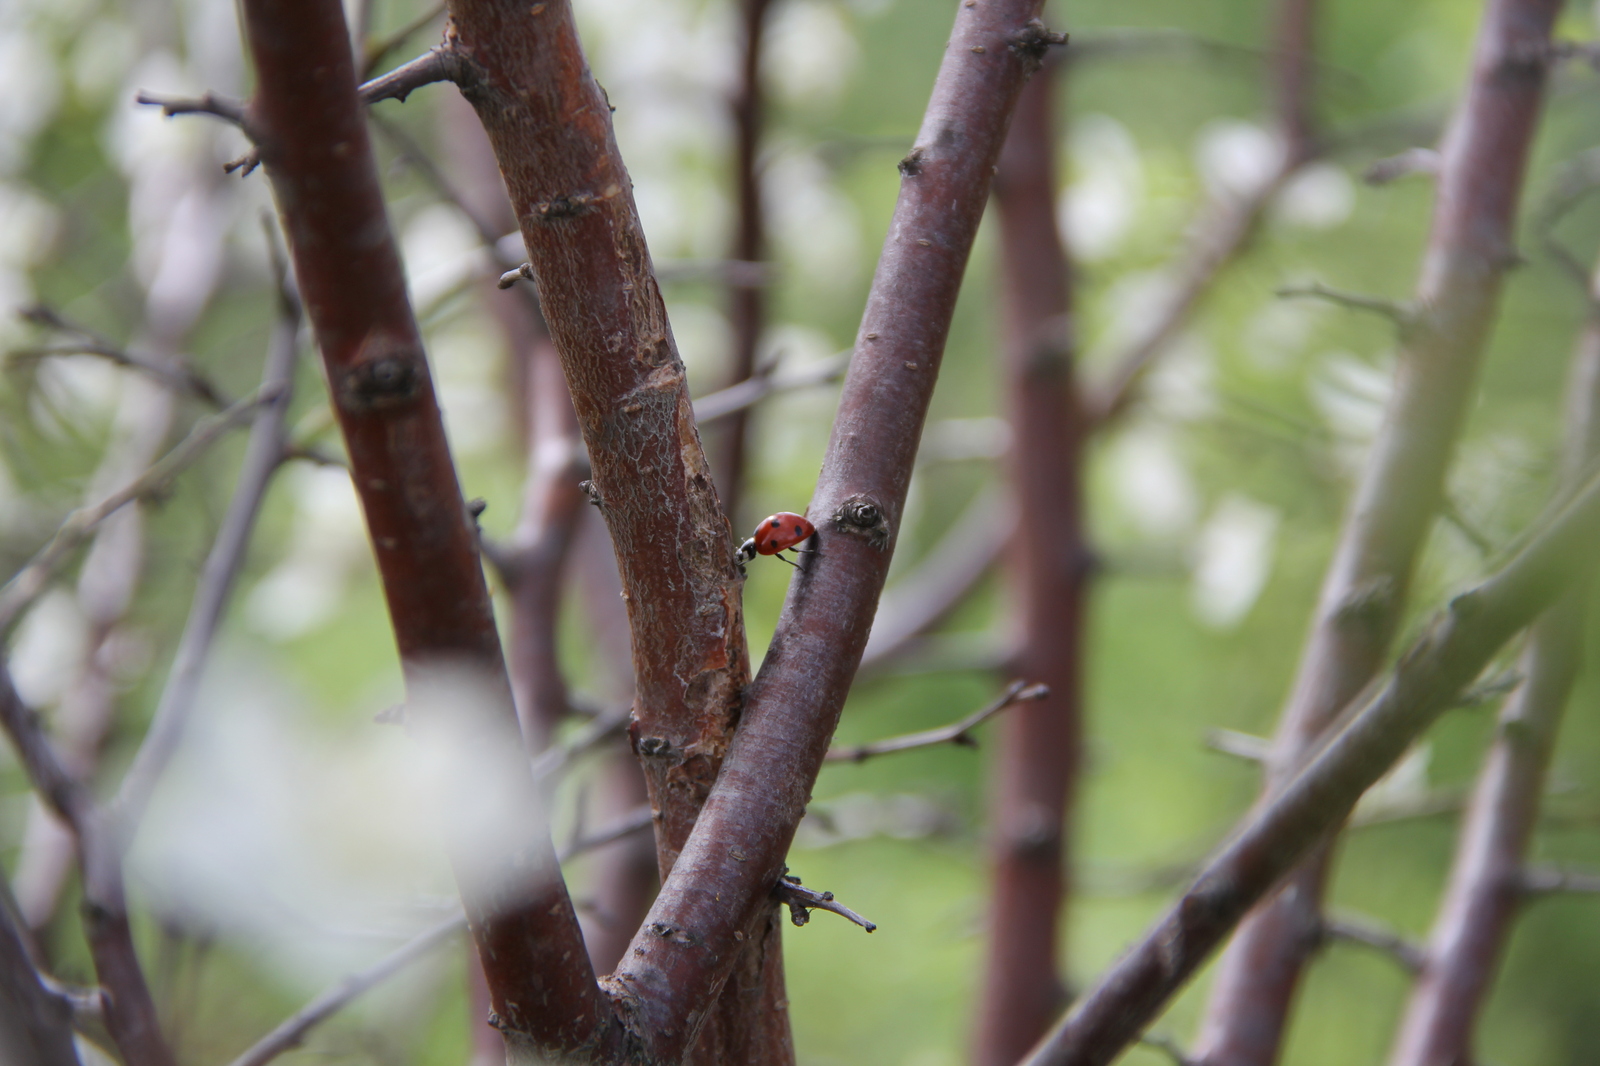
column 1251, row 429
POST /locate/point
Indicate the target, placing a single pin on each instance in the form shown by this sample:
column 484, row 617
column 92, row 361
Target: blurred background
column 289, row 843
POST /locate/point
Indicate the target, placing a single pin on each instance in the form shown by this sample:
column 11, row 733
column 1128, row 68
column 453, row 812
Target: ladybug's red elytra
column 777, row 533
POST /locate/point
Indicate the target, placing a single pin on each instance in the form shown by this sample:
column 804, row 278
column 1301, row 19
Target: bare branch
column 175, row 373
column 958, row 733
column 721, row 887
column 291, row 1033
column 434, row 65
column 1549, row 881
column 511, row 277
column 35, row 1022
column 1240, row 745
column 752, row 390
column 315, row 140
column 207, row 103
column 263, row 455
column 1395, row 167
column 1368, row 933
column 1311, row 803
column 943, row 578
column 26, row 585
column 801, row 901
column 1397, row 498
column 377, row 51
column 1168, row 1047
column 1398, row 313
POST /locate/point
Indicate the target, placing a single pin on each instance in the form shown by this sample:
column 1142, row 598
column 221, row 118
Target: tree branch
column 35, row 1023
column 1479, row 903
column 176, row 374
column 1549, row 881
column 1411, row 957
column 1034, row 780
column 801, row 901
column 263, row 455
column 315, row 145
column 1299, row 814
column 958, row 733
column 752, row 390
column 721, row 887
column 26, row 584
column 551, row 129
column 1398, row 313
column 208, row 103
column 1397, row 498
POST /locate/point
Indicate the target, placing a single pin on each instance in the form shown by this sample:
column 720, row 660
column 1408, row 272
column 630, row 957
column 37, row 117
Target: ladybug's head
column 746, row 552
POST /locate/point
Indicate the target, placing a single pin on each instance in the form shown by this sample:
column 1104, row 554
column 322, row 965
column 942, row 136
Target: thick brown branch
column 1398, row 495
column 1306, row 808
column 551, row 129
column 1048, row 563
column 959, row 733
column 315, row 145
column 720, row 889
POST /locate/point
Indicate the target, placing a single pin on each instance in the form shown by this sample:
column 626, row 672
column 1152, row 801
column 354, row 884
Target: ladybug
column 777, row 533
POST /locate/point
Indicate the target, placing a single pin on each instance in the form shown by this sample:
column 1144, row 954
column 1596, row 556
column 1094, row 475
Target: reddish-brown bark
column 1040, row 748
column 313, row 140
column 1364, row 592
column 736, row 853
column 524, row 72
column 1485, row 892
column 1428, row 680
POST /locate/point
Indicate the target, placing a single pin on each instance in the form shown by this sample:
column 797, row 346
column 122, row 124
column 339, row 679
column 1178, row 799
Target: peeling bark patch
column 561, row 207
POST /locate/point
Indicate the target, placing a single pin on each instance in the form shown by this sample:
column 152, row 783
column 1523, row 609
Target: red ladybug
column 777, row 533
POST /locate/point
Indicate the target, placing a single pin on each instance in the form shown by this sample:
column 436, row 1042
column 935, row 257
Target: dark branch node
column 801, row 901
column 911, row 165
column 1033, row 41
column 563, row 207
column 862, row 517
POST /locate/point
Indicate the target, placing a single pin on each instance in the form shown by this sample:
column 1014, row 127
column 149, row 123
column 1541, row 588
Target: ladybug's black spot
column 776, row 523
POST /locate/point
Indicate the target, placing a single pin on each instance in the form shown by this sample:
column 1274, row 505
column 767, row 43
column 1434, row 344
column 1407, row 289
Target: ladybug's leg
column 788, row 560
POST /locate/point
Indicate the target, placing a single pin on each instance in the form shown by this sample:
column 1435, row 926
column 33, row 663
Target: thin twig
column 1398, row 313
column 958, row 733
column 26, row 585
column 1245, row 746
column 207, row 103
column 747, row 393
column 379, row 50
column 1168, row 1047
column 1370, row 934
column 1395, row 167
column 1549, row 881
column 263, row 455
column 291, row 1033
column 801, row 901
column 434, row 65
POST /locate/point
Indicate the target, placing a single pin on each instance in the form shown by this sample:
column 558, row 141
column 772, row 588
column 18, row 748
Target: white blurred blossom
column 305, row 590
column 810, row 53
column 1236, row 158
column 29, row 85
column 441, row 251
column 1233, row 559
column 1277, row 334
column 48, row 649
column 1151, row 484
column 1098, row 210
column 1320, row 196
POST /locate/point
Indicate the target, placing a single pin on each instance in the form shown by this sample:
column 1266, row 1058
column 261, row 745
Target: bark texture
column 314, row 143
